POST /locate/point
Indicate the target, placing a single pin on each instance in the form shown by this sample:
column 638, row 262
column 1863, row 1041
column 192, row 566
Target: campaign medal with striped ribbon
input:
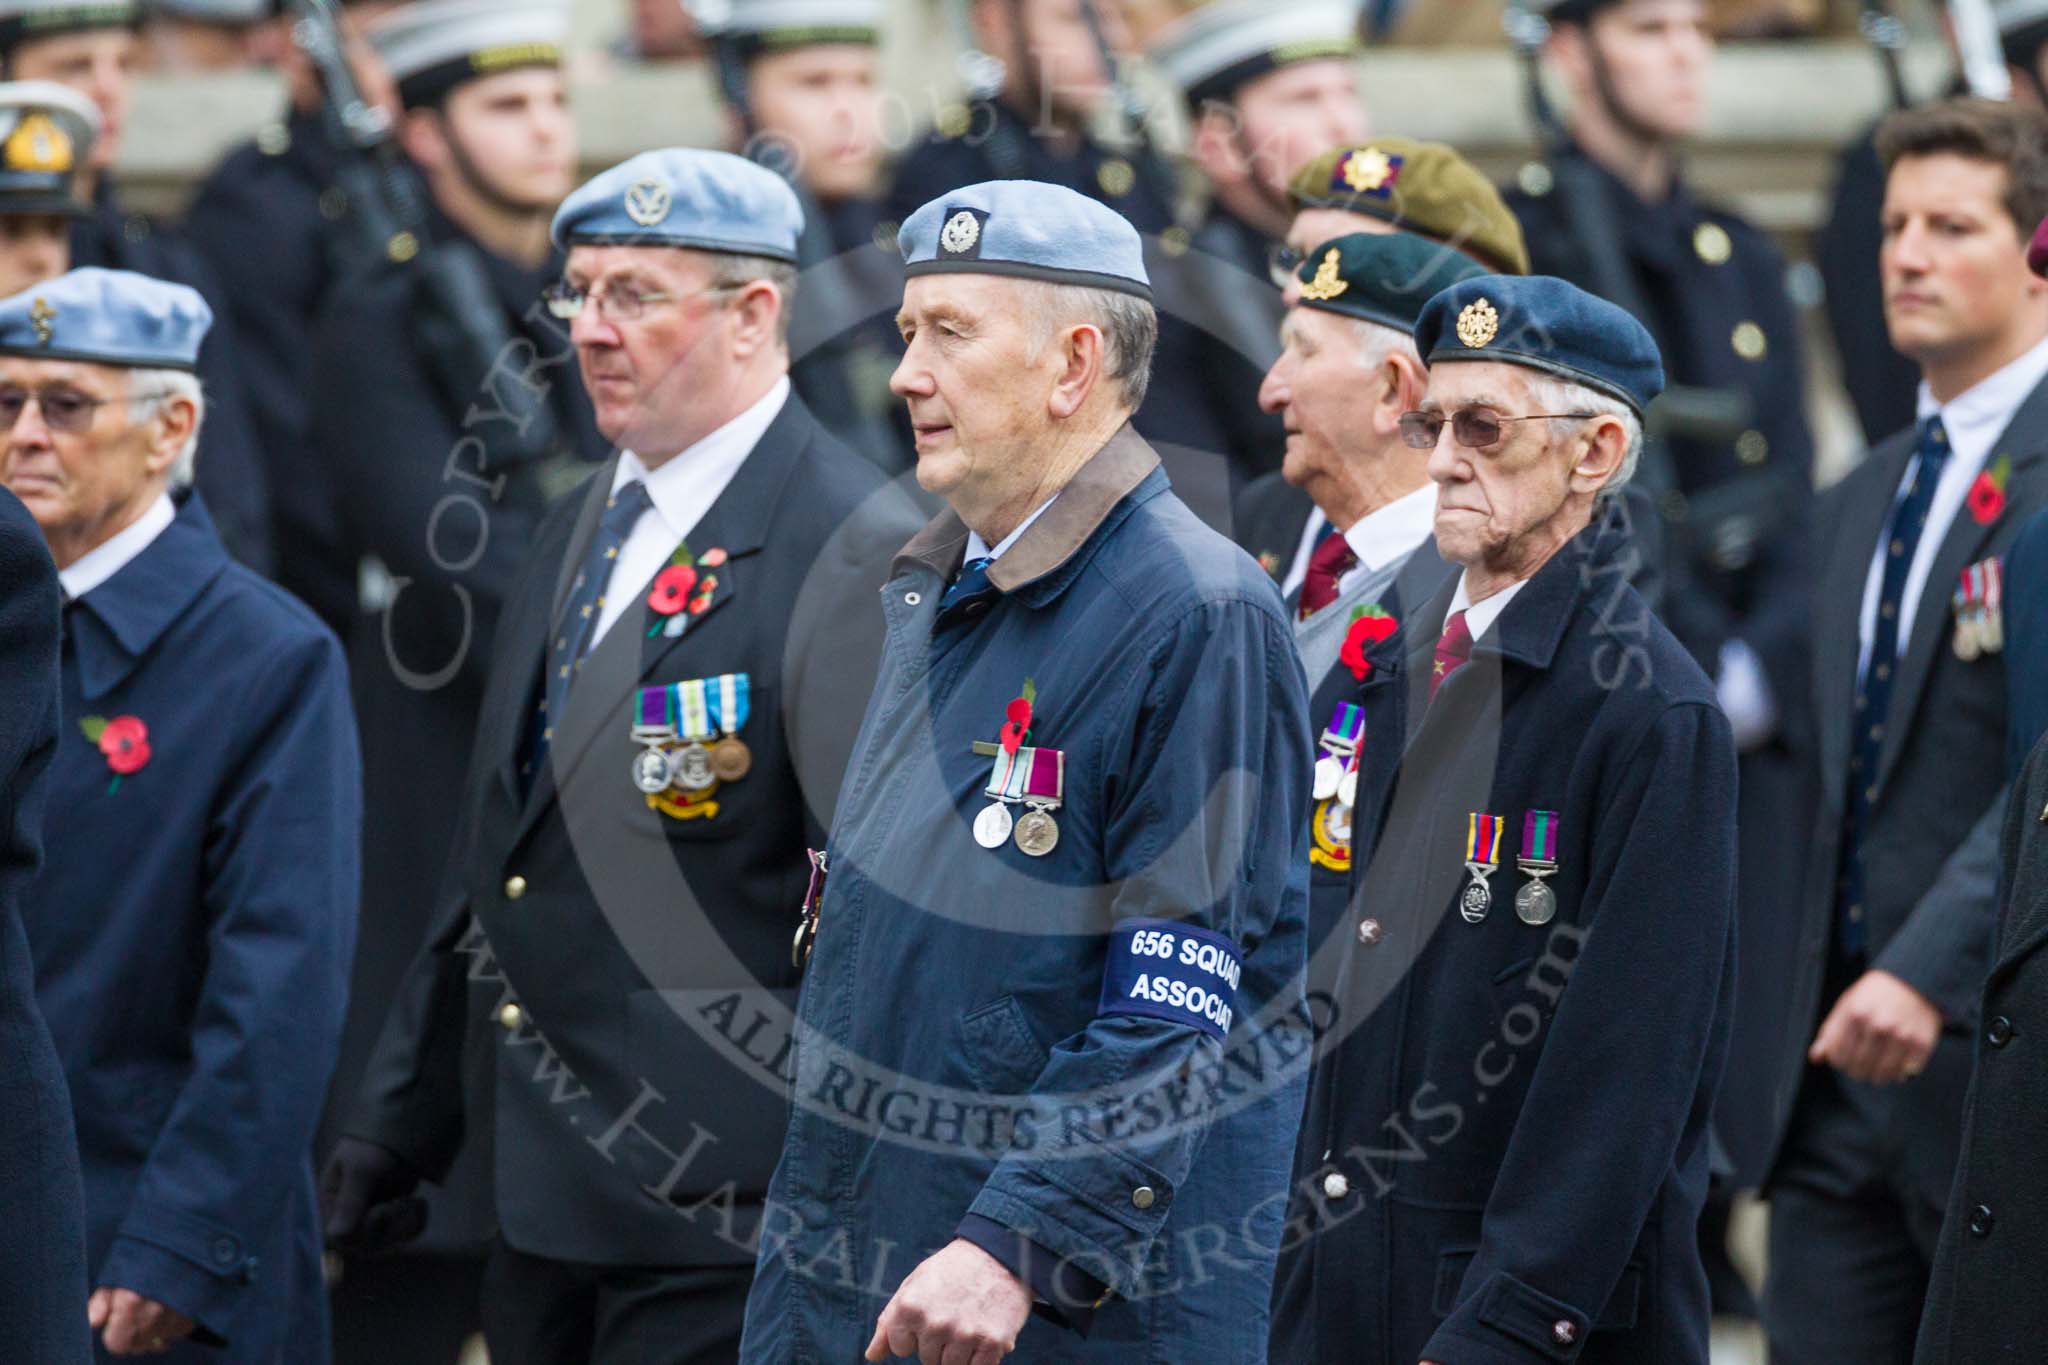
column 731, row 760
column 654, row 731
column 1980, row 610
column 1482, row 859
column 692, row 762
column 1005, row 789
column 1536, row 903
column 1336, row 788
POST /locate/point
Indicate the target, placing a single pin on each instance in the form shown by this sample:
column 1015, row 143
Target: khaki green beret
column 1425, row 187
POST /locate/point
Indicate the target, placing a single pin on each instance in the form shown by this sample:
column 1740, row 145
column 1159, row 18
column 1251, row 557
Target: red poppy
column 1365, row 632
column 1987, row 499
column 671, row 589
column 125, row 742
column 1016, row 724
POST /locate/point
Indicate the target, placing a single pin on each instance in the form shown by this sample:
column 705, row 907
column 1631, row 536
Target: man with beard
column 432, row 487
column 92, row 46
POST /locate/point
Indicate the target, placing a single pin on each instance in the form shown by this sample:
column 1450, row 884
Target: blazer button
column 1335, row 1186
column 515, row 887
column 1143, row 1196
column 2000, row 1032
column 512, row 1017
column 1565, row 1330
column 1981, row 1221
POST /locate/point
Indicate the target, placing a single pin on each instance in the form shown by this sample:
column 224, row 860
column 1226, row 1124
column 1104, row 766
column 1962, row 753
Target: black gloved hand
column 367, row 1199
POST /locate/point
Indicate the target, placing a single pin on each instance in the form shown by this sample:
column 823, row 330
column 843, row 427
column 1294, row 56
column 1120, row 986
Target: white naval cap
column 1217, row 48
column 432, row 46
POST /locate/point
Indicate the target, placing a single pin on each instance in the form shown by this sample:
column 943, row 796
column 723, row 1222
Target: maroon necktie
column 1453, row 647
column 1331, row 560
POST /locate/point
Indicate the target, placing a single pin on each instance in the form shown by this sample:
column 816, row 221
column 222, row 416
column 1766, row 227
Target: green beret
column 1425, row 187
column 1383, row 277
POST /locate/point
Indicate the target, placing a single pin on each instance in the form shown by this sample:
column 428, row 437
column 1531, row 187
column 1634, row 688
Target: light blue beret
column 684, row 196
column 107, row 317
column 1029, row 229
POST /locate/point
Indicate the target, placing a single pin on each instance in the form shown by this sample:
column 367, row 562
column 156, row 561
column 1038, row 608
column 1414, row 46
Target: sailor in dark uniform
column 91, row 46
column 433, row 486
column 1267, row 88
column 269, row 220
column 802, row 85
column 47, row 132
column 1731, row 472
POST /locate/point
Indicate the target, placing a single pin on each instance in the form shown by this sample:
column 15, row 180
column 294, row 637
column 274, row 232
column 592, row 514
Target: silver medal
column 1968, row 645
column 1037, row 832
column 1477, row 899
column 652, row 772
column 1535, row 903
column 1329, row 772
column 1991, row 629
column 992, row 826
column 1347, row 790
column 693, row 768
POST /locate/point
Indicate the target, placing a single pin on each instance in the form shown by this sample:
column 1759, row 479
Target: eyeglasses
column 1473, row 428
column 64, row 409
column 1282, row 261
column 623, row 304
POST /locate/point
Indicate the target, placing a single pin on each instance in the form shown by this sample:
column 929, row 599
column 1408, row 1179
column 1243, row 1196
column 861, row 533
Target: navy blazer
column 2026, row 642
column 42, row 1236
column 192, row 930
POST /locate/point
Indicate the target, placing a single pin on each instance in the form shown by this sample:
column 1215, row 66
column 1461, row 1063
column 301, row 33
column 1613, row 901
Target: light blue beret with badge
column 107, row 317
column 1028, row 229
column 684, row 196
column 1543, row 323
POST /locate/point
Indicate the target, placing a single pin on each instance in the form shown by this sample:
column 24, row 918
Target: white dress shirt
column 1480, row 616
column 112, row 555
column 977, row 547
column 1384, row 537
column 682, row 490
column 1974, row 419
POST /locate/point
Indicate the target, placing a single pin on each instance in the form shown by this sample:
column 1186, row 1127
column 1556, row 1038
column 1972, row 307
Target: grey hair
column 1377, row 341
column 1550, row 393
column 165, row 387
column 1129, row 327
column 730, row 270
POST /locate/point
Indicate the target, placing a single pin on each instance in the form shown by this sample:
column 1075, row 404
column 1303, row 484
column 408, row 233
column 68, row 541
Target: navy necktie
column 969, row 596
column 576, row 626
column 1902, row 534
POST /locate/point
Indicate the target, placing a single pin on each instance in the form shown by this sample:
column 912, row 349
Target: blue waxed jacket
column 957, row 1052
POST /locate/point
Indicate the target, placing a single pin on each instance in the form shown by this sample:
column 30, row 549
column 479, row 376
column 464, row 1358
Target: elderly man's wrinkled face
column 1323, row 386
column 651, row 344
column 33, row 247
column 1489, row 501
column 99, row 64
column 79, row 454
column 977, row 374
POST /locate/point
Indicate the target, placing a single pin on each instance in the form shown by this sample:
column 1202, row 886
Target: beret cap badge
column 1478, row 324
column 647, row 202
column 1369, row 170
column 1326, row 284
column 960, row 233
column 44, row 319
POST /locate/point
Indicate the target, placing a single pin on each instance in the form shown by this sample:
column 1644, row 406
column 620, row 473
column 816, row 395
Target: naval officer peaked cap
column 1027, row 229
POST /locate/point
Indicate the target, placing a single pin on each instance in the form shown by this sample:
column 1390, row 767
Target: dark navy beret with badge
column 1543, row 323
column 1027, row 229
column 107, row 317
column 46, row 134
column 688, row 197
column 23, row 20
column 1383, row 277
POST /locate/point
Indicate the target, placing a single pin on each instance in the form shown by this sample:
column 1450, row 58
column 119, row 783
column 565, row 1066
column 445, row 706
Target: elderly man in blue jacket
column 192, row 925
column 1050, row 1049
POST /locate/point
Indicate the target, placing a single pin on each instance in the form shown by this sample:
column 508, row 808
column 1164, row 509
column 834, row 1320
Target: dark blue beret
column 1383, row 277
column 1543, row 323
